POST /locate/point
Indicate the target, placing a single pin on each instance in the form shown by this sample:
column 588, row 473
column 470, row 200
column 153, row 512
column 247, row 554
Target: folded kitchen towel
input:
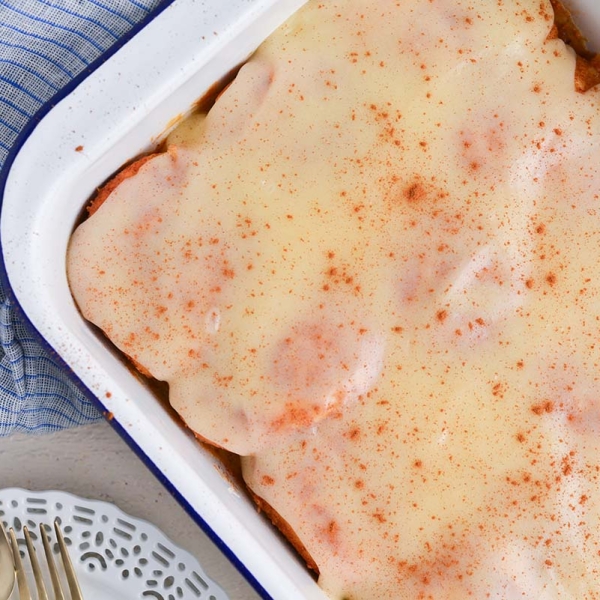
column 45, row 44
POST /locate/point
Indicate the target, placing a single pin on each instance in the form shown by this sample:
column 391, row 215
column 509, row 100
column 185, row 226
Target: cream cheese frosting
column 371, row 270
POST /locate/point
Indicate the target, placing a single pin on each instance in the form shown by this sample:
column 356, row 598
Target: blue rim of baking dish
column 10, row 295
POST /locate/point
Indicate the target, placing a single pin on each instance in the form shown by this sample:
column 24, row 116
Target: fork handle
column 58, row 594
column 24, row 593
column 69, row 570
column 35, row 565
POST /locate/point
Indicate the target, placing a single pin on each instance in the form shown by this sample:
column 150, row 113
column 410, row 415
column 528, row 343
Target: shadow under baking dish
column 115, row 111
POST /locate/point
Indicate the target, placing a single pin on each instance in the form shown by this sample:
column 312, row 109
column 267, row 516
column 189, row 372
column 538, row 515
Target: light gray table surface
column 94, row 462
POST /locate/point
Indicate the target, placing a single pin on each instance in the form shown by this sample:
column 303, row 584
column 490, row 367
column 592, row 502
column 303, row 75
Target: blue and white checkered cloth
column 44, row 44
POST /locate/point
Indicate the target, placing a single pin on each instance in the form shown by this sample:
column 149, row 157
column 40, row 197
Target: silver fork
column 22, row 585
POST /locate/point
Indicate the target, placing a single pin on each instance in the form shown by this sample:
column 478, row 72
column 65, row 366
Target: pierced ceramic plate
column 116, row 556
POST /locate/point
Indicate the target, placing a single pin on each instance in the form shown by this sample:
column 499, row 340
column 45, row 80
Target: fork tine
column 21, row 580
column 35, row 565
column 69, row 570
column 58, row 593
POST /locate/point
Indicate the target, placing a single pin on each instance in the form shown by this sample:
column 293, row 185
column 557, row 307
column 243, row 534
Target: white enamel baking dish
column 116, row 112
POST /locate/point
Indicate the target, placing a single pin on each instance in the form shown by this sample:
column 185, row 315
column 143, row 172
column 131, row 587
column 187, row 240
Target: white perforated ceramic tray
column 115, row 555
column 114, row 114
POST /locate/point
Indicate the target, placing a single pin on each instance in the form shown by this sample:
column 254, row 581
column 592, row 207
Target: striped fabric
column 44, row 44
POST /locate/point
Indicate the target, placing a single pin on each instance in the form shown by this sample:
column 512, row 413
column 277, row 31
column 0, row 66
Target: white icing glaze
column 373, row 271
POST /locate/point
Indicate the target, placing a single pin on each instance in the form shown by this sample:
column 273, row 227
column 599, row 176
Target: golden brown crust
column 108, row 188
column 587, row 73
column 286, row 529
column 231, row 463
column 568, row 32
column 553, row 35
column 139, row 367
column 587, row 65
column 206, row 441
